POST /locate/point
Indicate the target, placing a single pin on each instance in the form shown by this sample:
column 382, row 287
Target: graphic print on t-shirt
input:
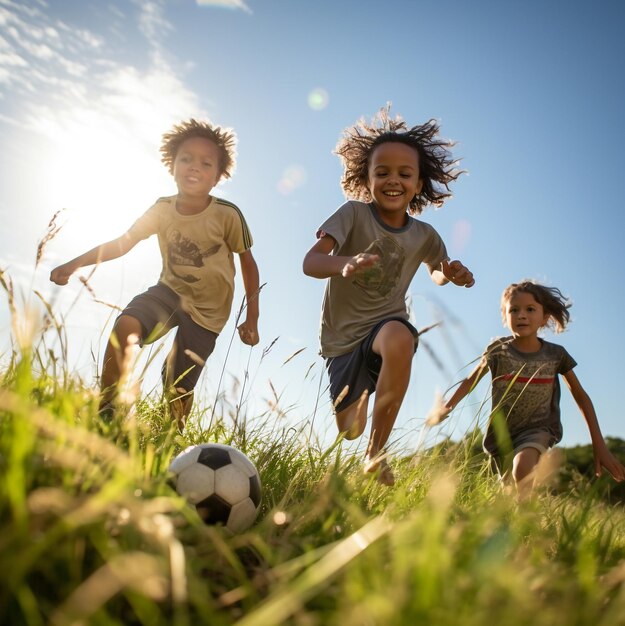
column 384, row 275
column 181, row 251
column 525, row 390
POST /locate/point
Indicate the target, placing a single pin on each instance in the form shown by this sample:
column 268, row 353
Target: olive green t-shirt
column 353, row 306
column 197, row 252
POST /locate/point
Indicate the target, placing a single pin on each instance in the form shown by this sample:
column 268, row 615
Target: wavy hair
column 224, row 138
column 554, row 303
column 437, row 167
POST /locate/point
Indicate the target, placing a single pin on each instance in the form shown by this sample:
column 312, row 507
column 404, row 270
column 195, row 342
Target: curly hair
column 224, row 138
column 554, row 303
column 437, row 168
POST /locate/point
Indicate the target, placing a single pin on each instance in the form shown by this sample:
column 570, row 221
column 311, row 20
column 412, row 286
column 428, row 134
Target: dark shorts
column 359, row 369
column 158, row 311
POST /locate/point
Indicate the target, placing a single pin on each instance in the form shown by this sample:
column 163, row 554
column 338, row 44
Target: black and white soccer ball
column 221, row 482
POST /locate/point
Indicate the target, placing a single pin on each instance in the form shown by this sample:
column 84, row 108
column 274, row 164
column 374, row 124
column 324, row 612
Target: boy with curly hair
column 197, row 234
column 370, row 249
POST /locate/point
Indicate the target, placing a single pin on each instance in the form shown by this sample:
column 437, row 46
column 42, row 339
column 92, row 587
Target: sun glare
column 102, row 172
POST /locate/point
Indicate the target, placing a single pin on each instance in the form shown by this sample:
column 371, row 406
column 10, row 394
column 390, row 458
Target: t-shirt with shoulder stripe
column 526, row 387
column 197, row 253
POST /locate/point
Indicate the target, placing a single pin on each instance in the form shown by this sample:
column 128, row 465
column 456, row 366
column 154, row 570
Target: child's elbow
column 307, row 266
column 438, row 278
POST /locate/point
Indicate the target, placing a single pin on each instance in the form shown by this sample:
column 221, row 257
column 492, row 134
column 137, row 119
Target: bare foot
column 106, row 411
column 383, row 470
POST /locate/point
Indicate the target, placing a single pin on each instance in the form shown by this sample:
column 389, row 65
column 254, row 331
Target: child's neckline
column 527, row 352
column 182, row 214
column 381, row 222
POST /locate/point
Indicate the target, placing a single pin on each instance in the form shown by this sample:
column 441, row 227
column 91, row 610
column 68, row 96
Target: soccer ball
column 221, row 482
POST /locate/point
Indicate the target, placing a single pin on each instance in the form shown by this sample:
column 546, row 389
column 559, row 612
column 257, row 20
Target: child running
column 370, row 249
column 526, row 388
column 197, row 234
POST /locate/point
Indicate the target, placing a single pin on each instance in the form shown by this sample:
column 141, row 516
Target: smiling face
column 524, row 316
column 196, row 167
column 394, row 180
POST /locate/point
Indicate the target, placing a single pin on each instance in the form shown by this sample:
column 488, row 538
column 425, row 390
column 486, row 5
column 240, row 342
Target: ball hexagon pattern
column 221, row 482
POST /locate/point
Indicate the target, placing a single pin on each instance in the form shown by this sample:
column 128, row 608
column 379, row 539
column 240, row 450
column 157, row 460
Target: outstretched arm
column 441, row 412
column 320, row 263
column 454, row 272
column 248, row 330
column 603, row 457
column 104, row 252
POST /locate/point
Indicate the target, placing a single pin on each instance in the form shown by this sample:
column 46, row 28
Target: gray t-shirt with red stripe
column 526, row 388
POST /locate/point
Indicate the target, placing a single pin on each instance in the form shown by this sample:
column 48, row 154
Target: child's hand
column 61, row 274
column 458, row 274
column 248, row 332
column 359, row 263
column 605, row 459
column 438, row 412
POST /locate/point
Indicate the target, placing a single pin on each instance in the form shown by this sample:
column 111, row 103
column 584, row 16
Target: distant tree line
column 580, row 466
column 577, row 473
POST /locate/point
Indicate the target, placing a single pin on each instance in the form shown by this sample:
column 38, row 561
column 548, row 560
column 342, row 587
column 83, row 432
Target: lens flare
column 318, row 99
column 460, row 237
column 294, row 176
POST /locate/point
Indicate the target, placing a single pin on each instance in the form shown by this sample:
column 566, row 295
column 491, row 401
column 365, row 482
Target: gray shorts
column 158, row 311
column 540, row 439
column 359, row 369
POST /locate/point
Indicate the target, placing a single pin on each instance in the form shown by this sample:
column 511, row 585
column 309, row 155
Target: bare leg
column 523, row 466
column 126, row 334
column 352, row 420
column 180, row 400
column 395, row 344
column 180, row 407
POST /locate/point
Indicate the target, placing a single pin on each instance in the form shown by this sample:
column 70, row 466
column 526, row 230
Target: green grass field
column 92, row 533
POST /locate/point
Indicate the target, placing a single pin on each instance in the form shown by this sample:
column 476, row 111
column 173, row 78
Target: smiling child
column 370, row 249
column 197, row 235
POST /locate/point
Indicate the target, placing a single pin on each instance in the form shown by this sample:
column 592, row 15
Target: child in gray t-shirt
column 370, row 249
column 525, row 418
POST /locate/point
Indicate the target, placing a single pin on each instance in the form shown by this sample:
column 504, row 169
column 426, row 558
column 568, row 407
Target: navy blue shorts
column 158, row 311
column 359, row 369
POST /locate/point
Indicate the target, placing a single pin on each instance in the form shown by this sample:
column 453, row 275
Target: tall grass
column 91, row 531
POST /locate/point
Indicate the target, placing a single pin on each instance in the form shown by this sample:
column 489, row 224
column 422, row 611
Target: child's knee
column 395, row 341
column 525, row 461
column 350, row 426
column 351, row 422
column 357, row 427
column 127, row 331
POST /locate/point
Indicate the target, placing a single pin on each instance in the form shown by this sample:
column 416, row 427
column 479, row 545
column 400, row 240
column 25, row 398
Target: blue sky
column 532, row 93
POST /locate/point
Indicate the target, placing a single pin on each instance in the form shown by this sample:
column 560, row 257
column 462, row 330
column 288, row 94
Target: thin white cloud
column 38, row 51
column 226, row 4
column 52, row 75
column 152, row 21
column 10, row 59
